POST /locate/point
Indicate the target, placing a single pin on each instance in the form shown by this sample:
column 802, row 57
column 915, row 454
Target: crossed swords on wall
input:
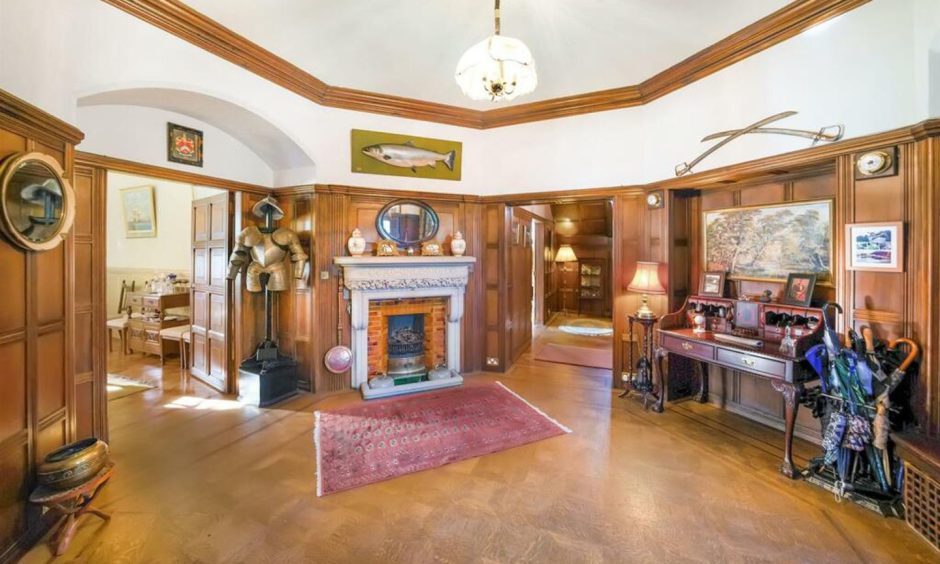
column 828, row 134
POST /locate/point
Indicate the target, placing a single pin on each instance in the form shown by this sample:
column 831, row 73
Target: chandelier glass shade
column 497, row 68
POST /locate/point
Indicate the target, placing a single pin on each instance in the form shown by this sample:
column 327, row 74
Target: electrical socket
column 492, row 361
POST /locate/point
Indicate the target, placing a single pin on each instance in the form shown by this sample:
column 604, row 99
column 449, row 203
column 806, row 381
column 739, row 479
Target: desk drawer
column 752, row 363
column 691, row 349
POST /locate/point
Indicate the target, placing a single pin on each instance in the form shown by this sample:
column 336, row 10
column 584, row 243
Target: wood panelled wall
column 314, row 317
column 51, row 327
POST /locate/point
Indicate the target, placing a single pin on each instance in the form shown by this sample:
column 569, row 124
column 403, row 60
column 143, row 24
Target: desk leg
column 660, row 380
column 790, row 393
column 702, row 396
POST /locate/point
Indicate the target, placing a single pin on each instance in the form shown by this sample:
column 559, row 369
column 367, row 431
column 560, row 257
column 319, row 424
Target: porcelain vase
column 356, row 243
column 458, row 246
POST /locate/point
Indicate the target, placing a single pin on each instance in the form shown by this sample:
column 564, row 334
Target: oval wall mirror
column 37, row 204
column 407, row 222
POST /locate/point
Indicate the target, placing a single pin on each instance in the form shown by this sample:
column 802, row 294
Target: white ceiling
column 411, row 47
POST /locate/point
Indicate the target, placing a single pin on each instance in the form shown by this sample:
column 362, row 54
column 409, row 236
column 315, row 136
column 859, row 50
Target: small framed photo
column 183, row 145
column 799, row 290
column 712, row 284
column 875, row 247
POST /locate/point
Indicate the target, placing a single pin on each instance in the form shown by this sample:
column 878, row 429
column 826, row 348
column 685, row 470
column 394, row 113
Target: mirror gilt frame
column 404, row 202
column 8, row 169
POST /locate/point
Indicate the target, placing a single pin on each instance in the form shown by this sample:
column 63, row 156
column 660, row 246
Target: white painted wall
column 170, row 250
column 870, row 70
column 139, row 134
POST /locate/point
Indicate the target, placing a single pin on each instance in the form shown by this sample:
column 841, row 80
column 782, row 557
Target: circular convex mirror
column 407, row 222
column 37, row 204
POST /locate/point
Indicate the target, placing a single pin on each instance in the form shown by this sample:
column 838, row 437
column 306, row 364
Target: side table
column 641, row 369
column 72, row 504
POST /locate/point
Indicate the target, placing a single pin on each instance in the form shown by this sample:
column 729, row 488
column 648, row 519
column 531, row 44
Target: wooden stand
column 72, row 504
column 641, row 373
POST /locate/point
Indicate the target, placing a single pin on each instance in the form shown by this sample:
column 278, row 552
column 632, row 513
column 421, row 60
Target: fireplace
column 396, row 305
column 406, row 337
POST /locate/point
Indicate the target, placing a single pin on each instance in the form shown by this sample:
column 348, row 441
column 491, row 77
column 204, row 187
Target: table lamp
column 565, row 254
column 646, row 281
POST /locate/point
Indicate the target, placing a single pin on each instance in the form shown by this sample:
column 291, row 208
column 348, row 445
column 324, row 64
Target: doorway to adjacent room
column 561, row 282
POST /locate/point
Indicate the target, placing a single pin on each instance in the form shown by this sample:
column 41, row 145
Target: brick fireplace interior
column 417, row 314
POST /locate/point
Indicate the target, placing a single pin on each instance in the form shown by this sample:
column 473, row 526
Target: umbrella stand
column 853, row 385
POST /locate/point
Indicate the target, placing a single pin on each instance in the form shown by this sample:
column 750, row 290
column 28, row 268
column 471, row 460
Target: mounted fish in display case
column 375, row 152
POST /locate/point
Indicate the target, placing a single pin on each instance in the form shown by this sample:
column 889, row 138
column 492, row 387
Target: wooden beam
column 142, row 169
column 180, row 20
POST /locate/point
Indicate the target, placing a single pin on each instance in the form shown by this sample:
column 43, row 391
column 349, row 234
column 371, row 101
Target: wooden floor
column 200, row 478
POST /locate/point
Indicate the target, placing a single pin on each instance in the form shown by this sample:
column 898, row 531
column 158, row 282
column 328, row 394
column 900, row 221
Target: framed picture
column 183, row 145
column 875, row 247
column 769, row 242
column 799, row 290
column 376, row 152
column 140, row 219
column 712, row 284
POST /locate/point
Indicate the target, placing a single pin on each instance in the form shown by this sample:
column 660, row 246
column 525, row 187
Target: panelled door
column 209, row 299
column 520, row 283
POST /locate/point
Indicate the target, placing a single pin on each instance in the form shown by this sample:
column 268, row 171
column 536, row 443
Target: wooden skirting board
column 186, row 23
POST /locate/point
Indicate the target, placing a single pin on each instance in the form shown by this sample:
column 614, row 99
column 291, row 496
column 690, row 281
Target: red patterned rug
column 382, row 439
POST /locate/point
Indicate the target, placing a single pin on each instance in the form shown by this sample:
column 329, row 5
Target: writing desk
column 787, row 374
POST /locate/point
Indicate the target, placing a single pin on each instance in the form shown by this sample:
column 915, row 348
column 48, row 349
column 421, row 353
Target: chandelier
column 497, row 68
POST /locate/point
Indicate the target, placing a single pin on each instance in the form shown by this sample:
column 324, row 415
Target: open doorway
column 572, row 283
column 166, row 295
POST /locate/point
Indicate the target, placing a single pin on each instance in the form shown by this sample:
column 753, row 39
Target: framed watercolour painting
column 375, row 152
column 799, row 289
column 770, row 242
column 183, row 144
column 140, row 219
column 875, row 247
column 712, row 284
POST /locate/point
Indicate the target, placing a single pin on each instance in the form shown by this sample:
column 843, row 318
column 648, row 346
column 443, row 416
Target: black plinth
column 267, row 382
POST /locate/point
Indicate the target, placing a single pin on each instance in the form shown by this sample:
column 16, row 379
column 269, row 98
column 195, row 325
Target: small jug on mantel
column 356, row 244
column 458, row 246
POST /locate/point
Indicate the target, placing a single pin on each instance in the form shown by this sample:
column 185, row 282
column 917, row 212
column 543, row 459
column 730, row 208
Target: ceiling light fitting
column 498, row 68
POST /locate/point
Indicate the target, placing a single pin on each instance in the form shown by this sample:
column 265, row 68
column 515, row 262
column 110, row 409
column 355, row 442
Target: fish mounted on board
column 407, row 155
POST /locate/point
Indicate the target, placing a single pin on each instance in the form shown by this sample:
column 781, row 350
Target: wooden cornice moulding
column 142, row 169
column 180, row 20
column 36, row 121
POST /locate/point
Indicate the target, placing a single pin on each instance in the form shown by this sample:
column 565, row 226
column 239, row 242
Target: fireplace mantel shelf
column 404, row 261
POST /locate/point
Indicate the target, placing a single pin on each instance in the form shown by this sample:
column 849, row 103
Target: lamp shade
column 497, row 68
column 565, row 254
column 646, row 279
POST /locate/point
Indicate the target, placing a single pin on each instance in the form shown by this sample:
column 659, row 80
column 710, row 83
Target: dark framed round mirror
column 407, row 222
column 37, row 204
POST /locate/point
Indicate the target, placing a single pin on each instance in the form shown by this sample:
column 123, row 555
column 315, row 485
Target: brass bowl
column 73, row 464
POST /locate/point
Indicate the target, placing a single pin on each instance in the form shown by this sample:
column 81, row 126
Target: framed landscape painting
column 140, row 218
column 875, row 247
column 770, row 242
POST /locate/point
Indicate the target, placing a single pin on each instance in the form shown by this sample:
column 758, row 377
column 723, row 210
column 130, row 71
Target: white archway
column 289, row 162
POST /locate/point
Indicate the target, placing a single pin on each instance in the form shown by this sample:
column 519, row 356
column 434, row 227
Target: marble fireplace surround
column 386, row 278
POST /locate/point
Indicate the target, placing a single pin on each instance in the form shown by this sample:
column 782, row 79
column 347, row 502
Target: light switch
column 324, row 275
